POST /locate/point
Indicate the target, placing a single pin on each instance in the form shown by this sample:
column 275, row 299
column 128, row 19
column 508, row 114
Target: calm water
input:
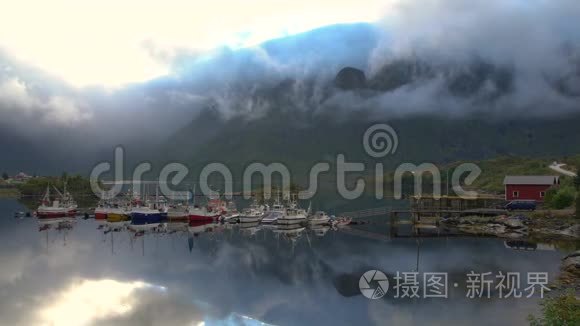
column 242, row 276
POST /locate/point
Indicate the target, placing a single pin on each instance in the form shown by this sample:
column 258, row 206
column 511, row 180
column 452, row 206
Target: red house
column 528, row 187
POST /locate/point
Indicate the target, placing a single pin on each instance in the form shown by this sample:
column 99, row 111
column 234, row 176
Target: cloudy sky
column 92, row 73
column 111, row 43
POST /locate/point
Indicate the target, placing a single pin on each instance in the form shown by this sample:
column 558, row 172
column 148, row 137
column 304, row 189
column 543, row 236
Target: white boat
column 232, row 214
column 271, row 217
column 252, row 214
column 230, row 217
column 318, row 218
column 64, row 206
column 341, row 221
column 293, row 215
column 277, row 211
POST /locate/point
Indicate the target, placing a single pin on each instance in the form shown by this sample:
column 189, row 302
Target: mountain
column 305, row 98
column 474, row 115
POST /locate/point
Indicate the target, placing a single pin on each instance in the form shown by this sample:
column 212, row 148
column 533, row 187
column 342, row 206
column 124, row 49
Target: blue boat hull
column 141, row 218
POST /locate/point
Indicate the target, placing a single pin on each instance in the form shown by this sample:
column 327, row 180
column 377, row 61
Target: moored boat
column 319, row 217
column 146, row 215
column 252, row 214
column 292, row 215
column 118, row 214
column 197, row 213
column 274, row 213
column 62, row 207
column 101, row 211
column 271, row 217
column 232, row 213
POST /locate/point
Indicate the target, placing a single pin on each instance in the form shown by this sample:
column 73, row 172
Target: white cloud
column 109, row 42
column 85, row 301
column 18, row 99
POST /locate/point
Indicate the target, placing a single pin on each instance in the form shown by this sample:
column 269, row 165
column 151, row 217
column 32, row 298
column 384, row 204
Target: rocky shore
column 515, row 226
column 570, row 271
column 543, row 228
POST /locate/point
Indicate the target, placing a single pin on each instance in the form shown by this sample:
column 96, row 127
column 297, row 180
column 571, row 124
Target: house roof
column 531, row 180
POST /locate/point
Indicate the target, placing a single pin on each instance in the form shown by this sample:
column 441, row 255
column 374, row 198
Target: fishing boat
column 146, row 215
column 318, row 218
column 216, row 204
column 197, row 213
column 212, row 211
column 232, row 213
column 293, row 215
column 150, row 212
column 118, row 213
column 275, row 212
column 252, row 214
column 61, row 207
column 101, row 211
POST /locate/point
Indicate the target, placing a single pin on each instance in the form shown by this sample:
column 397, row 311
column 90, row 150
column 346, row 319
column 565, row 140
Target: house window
column 516, row 194
column 542, row 194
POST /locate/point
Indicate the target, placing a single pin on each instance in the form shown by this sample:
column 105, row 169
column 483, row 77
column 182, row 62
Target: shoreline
column 9, row 193
column 535, row 228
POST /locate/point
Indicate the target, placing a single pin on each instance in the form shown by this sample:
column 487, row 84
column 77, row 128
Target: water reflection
column 241, row 274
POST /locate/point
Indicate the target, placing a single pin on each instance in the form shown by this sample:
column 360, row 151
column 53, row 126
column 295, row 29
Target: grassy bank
column 79, row 187
column 9, row 193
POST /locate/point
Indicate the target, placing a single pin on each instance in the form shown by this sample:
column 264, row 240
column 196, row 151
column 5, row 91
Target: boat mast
column 46, row 198
column 156, row 206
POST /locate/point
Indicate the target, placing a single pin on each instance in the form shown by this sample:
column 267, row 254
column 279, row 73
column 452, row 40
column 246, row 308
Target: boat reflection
column 320, row 230
column 250, row 229
column 57, row 226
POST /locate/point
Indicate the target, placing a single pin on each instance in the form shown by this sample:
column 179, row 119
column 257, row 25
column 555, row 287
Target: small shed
column 529, row 187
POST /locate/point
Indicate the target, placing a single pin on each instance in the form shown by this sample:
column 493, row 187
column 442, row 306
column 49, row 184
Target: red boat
column 202, row 214
column 101, row 212
column 65, row 207
column 217, row 205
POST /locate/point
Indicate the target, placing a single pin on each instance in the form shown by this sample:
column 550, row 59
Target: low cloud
column 16, row 98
